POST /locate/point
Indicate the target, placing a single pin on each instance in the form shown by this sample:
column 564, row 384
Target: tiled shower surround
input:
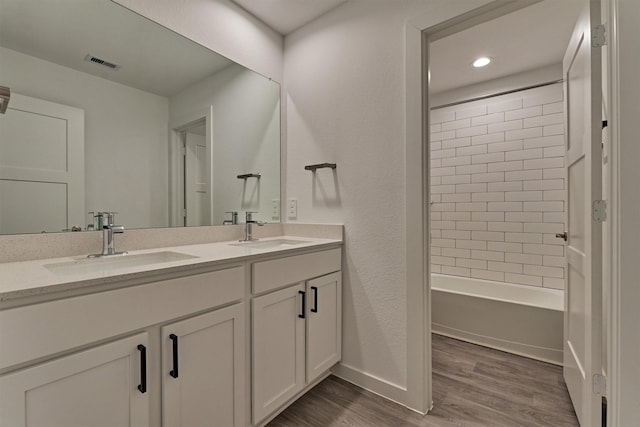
column 497, row 188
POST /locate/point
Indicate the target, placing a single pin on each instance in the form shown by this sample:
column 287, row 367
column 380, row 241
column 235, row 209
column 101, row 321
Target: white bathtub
column 524, row 320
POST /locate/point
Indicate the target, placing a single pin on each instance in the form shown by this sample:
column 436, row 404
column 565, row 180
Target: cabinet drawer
column 35, row 331
column 273, row 274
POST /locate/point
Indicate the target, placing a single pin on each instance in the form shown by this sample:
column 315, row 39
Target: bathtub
column 523, row 320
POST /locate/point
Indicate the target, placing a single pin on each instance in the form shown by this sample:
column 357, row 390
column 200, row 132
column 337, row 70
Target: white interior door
column 41, row 166
column 197, row 192
column 583, row 296
column 198, row 123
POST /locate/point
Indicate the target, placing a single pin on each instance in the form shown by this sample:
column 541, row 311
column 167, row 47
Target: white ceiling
column 285, row 16
column 529, row 38
column 65, row 31
column 153, row 58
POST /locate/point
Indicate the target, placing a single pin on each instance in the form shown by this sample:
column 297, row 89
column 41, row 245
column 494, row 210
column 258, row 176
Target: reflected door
column 195, row 179
column 41, row 166
column 583, row 296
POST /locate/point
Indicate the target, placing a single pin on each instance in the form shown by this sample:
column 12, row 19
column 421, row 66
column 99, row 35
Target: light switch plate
column 292, row 208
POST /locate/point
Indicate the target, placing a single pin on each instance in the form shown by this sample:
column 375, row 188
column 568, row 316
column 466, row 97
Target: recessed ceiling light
column 481, row 62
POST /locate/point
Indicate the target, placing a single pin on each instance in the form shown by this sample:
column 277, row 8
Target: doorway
column 418, row 41
column 513, row 177
column 498, row 180
column 191, row 177
column 197, row 189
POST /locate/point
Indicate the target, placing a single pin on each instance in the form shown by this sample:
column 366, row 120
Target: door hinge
column 599, row 384
column 184, row 213
column 599, row 210
column 598, row 36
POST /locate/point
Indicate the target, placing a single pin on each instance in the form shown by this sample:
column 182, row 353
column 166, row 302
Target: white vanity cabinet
column 101, row 359
column 99, row 387
column 296, row 329
column 171, row 346
column 202, row 369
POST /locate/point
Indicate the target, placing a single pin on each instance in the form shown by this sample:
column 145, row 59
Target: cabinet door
column 324, row 324
column 96, row 387
column 203, row 370
column 278, row 349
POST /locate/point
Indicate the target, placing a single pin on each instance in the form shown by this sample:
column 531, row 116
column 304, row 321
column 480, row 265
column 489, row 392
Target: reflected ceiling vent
column 102, row 62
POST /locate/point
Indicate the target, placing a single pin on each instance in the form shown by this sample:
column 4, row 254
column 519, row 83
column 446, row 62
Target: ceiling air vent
column 102, row 62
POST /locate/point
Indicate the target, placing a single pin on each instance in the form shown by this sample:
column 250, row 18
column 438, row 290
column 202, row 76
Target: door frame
column 624, row 231
column 441, row 19
column 176, row 165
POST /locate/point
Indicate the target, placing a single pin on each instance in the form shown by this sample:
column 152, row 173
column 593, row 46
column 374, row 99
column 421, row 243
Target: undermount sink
column 270, row 244
column 110, row 263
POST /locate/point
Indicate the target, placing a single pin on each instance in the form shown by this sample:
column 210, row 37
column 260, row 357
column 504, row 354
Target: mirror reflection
column 111, row 112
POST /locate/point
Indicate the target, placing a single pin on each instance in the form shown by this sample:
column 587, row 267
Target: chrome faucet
column 233, row 220
column 248, row 230
column 108, row 230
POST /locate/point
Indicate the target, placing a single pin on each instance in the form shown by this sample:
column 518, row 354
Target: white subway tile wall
column 497, row 188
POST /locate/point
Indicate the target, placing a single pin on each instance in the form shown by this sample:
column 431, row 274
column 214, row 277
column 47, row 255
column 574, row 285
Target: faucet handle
column 102, row 213
column 100, row 218
column 249, row 216
column 234, row 218
column 103, row 217
column 110, row 218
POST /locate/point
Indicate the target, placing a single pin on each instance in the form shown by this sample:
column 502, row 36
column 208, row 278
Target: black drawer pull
column 143, row 369
column 315, row 299
column 174, row 371
column 304, row 304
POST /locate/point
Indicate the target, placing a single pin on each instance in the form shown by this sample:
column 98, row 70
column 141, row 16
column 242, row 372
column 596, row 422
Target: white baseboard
column 371, row 383
column 543, row 354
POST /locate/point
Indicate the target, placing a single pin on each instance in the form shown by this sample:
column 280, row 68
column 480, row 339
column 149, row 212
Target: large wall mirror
column 110, row 111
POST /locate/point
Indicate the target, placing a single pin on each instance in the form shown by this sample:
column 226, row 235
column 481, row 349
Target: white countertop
column 29, row 278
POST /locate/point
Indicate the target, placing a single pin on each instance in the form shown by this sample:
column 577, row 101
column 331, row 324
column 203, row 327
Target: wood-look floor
column 472, row 386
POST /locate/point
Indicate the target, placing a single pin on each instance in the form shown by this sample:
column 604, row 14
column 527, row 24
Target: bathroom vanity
column 224, row 334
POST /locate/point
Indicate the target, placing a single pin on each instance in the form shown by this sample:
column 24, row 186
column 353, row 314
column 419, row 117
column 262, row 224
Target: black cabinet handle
column 315, row 299
column 143, row 368
column 304, row 304
column 174, row 371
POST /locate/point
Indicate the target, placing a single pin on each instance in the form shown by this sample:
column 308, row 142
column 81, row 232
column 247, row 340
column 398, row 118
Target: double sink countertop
column 48, row 277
